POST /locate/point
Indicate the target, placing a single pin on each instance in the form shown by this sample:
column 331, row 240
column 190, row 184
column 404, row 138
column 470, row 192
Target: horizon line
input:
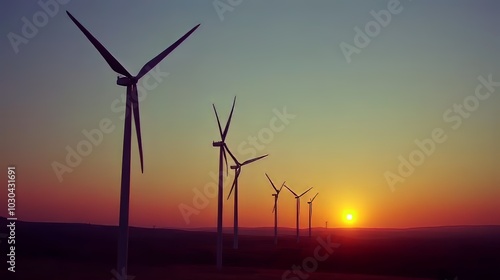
column 260, row 227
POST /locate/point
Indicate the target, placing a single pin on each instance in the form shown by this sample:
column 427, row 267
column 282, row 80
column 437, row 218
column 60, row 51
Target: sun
column 349, row 216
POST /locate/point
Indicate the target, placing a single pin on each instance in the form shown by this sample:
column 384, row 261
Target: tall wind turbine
column 275, row 208
column 297, row 197
column 132, row 106
column 222, row 157
column 311, row 211
column 237, row 168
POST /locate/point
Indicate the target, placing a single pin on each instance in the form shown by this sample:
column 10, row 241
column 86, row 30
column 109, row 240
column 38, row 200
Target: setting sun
column 349, row 216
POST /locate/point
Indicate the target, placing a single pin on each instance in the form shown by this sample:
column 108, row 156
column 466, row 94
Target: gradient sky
column 352, row 120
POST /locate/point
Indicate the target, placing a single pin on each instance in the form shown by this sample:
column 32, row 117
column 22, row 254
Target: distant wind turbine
column 237, row 168
column 311, row 211
column 132, row 106
column 297, row 197
column 275, row 208
column 222, row 157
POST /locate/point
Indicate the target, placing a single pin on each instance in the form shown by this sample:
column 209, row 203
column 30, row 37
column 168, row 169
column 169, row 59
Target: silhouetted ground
column 79, row 251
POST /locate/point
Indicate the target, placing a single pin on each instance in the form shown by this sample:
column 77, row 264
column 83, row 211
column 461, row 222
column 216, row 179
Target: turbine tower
column 237, row 168
column 310, row 212
column 275, row 208
column 297, row 197
column 132, row 107
column 222, row 157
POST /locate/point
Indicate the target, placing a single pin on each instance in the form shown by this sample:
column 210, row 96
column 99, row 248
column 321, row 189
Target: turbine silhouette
column 275, row 208
column 132, row 107
column 310, row 212
column 237, row 168
column 222, row 157
column 297, row 197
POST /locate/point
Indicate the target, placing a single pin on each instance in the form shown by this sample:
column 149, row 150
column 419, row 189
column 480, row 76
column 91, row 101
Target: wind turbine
column 297, row 197
column 275, row 208
column 310, row 212
column 222, row 157
column 237, row 167
column 132, row 106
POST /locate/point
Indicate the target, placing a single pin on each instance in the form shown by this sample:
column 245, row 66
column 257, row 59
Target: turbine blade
column 225, row 160
column 254, row 159
column 231, row 154
column 305, row 192
column 314, row 197
column 110, row 59
column 153, row 62
column 271, row 182
column 228, row 121
column 218, row 121
column 290, row 190
column 135, row 106
column 232, row 187
column 282, row 185
column 274, row 208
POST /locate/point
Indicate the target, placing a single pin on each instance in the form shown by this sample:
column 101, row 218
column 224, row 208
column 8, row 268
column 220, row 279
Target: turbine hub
column 126, row 81
column 218, row 144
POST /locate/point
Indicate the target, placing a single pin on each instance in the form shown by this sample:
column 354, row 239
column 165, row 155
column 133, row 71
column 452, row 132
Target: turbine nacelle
column 217, row 144
column 126, row 81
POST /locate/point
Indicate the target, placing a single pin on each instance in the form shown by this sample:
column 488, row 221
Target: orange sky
column 335, row 124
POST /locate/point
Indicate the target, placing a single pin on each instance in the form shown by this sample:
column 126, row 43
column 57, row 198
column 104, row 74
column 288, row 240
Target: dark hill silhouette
column 84, row 251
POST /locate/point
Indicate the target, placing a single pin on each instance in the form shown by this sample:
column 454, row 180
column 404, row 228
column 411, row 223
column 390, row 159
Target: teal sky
column 352, row 120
